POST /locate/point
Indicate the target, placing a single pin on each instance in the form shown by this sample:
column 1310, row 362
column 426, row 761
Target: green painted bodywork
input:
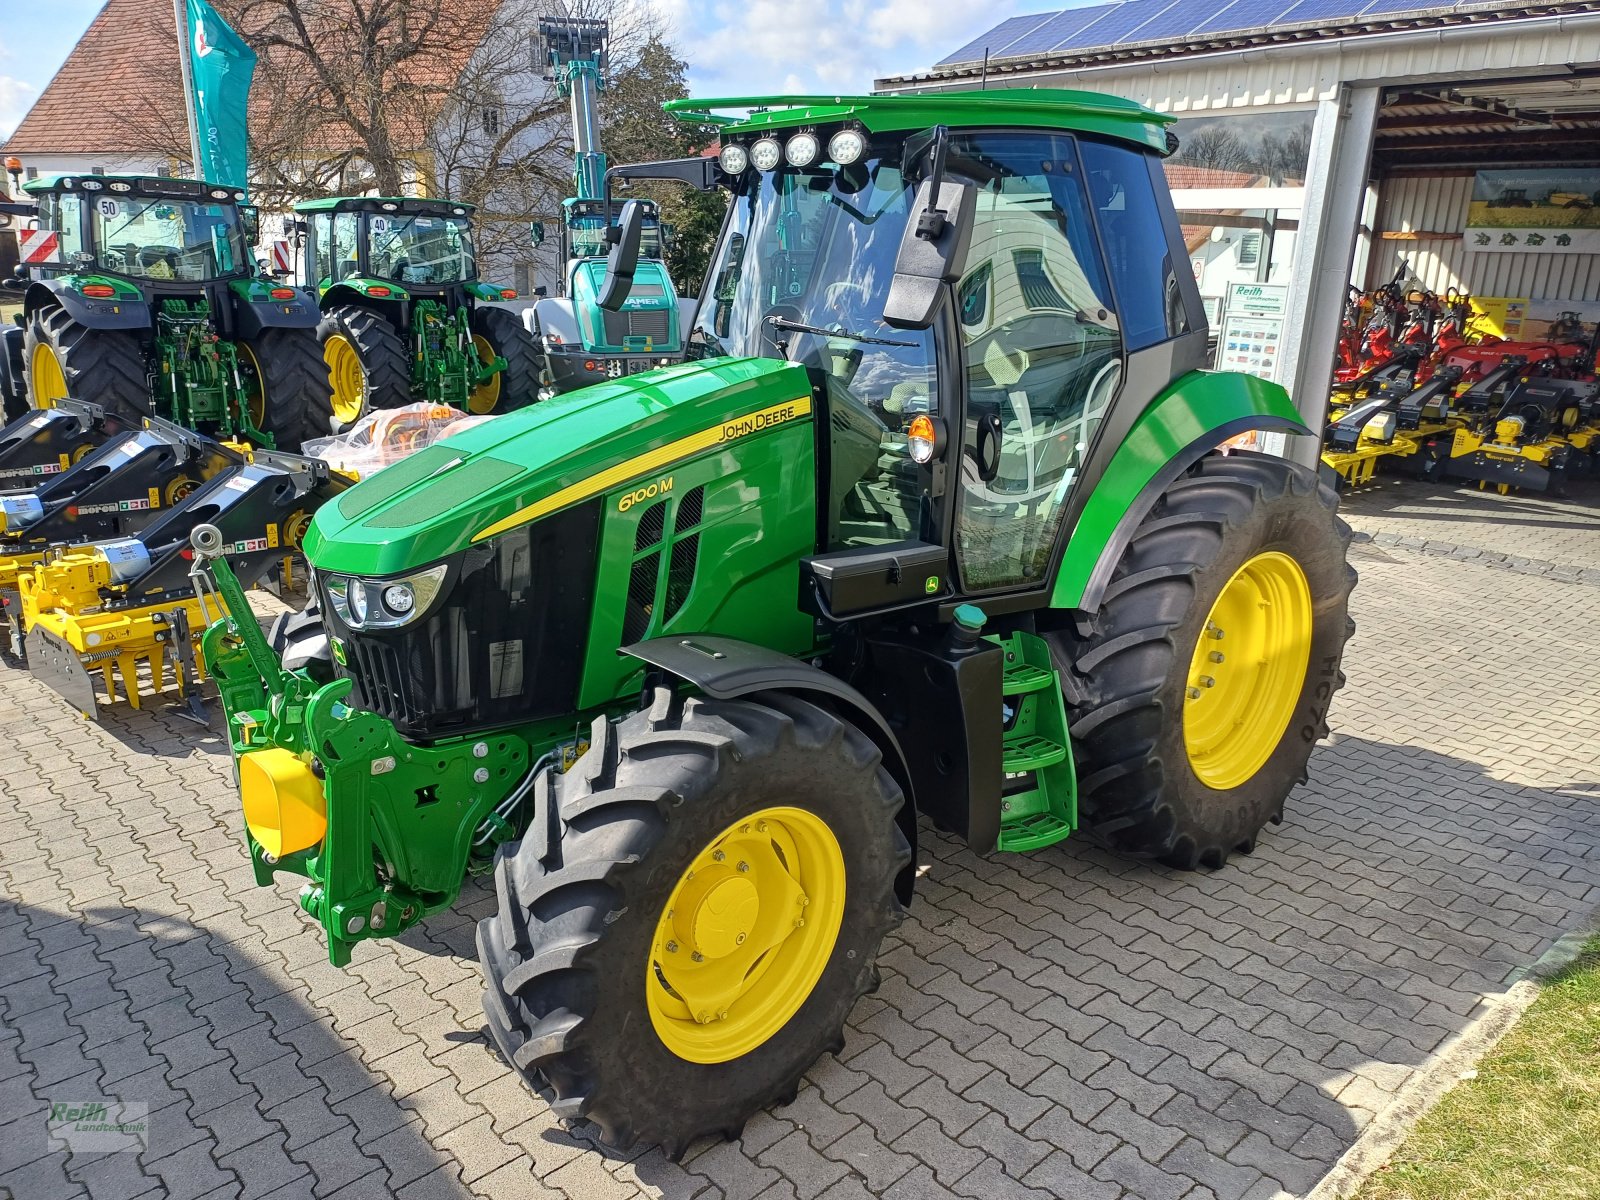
column 124, row 290
column 360, row 288
column 254, row 291
column 1181, row 417
column 1088, row 112
column 432, row 504
column 758, row 519
column 584, row 287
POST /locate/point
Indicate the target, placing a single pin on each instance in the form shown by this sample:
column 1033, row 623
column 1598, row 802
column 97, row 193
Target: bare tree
column 1217, row 147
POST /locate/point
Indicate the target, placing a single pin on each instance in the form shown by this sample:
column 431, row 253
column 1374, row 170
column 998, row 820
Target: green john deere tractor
column 935, row 522
column 147, row 302
column 405, row 316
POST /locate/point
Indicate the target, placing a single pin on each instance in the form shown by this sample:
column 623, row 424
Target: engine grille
column 655, row 324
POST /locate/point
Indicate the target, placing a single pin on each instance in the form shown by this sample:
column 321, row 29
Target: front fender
column 1196, row 414
column 126, row 310
column 726, row 668
column 254, row 308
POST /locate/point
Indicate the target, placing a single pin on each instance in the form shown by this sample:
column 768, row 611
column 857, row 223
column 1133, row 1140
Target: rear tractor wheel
column 1196, row 693
column 366, row 364
column 63, row 358
column 694, row 911
column 499, row 332
column 288, row 386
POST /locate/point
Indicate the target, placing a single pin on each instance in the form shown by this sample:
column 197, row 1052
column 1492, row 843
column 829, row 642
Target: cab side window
column 1132, row 232
column 1043, row 349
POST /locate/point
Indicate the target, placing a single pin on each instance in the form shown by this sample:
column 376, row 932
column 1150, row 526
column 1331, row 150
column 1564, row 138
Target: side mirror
column 250, row 216
column 541, row 291
column 536, row 232
column 624, row 257
column 933, row 252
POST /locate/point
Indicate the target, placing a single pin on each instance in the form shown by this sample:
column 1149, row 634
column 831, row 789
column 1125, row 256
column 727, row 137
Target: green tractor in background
column 937, row 521
column 405, row 316
column 146, row 302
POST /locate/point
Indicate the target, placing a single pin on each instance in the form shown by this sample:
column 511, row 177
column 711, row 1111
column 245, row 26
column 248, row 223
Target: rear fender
column 1190, row 419
column 126, row 310
column 254, row 309
column 727, row 669
column 359, row 289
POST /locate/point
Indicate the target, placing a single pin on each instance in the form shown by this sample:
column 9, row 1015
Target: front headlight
column 384, row 603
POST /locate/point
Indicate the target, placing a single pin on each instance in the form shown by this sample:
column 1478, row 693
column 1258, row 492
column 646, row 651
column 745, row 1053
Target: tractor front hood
column 547, row 457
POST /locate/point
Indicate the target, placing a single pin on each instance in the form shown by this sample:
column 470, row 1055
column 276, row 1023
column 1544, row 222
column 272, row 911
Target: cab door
column 1041, row 353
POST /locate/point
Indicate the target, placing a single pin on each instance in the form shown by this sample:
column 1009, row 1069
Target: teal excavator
column 582, row 342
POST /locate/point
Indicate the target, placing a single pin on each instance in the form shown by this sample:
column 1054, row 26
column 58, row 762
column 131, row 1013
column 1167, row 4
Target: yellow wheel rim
column 47, row 382
column 256, row 382
column 1247, row 671
column 483, row 399
column 745, row 935
column 347, row 382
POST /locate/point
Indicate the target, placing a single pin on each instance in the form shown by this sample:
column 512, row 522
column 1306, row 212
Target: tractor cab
column 1065, row 269
column 158, row 233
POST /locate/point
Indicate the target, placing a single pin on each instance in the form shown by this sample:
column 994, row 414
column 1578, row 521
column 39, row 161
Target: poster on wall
column 1554, row 211
column 1535, row 320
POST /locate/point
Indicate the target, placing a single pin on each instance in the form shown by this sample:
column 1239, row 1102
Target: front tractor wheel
column 1197, row 692
column 366, row 363
column 695, row 909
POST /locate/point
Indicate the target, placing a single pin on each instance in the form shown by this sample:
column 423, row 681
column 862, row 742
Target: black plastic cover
column 872, row 578
column 503, row 644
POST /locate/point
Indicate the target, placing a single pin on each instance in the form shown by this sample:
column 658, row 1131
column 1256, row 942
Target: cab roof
column 1037, row 108
column 430, row 205
column 170, row 186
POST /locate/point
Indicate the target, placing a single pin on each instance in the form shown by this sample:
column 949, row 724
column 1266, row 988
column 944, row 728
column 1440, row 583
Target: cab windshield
column 817, row 247
column 587, row 237
column 420, row 249
column 168, row 239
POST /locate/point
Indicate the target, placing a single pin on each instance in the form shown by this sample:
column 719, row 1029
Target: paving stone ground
column 1060, row 1024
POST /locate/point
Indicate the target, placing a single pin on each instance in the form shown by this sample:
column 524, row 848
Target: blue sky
column 735, row 47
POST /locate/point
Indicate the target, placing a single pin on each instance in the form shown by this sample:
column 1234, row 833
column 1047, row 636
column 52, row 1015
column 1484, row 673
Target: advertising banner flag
column 221, row 66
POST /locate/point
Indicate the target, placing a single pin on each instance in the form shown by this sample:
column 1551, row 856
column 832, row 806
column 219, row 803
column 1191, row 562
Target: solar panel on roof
column 1119, row 21
column 1243, row 14
column 1393, row 6
column 1002, row 34
column 1058, row 30
column 1079, row 29
column 1321, row 10
column 1178, row 21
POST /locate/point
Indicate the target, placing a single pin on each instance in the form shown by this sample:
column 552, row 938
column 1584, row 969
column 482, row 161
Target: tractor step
column 1040, row 802
column 1021, row 678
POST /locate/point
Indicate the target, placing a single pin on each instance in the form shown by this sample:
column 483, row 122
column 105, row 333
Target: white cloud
column 16, row 97
column 753, row 47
